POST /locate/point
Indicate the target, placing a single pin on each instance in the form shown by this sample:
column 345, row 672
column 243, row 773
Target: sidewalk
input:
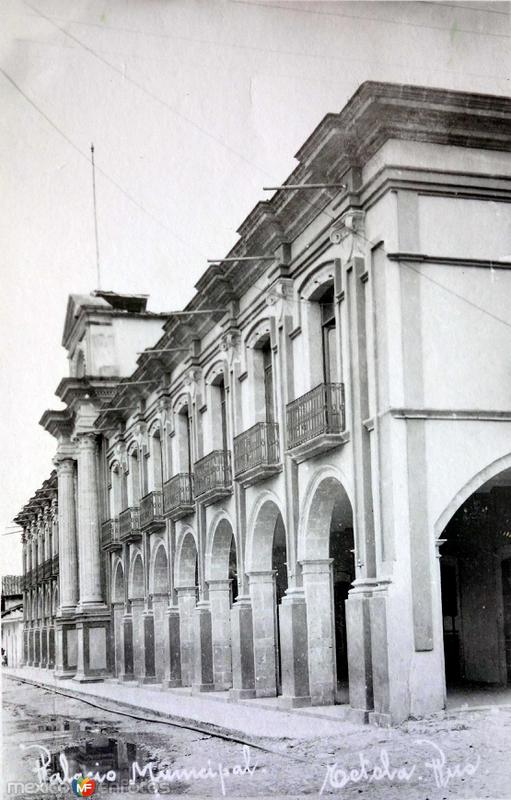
column 249, row 718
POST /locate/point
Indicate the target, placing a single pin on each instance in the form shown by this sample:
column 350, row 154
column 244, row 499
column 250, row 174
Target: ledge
column 320, row 444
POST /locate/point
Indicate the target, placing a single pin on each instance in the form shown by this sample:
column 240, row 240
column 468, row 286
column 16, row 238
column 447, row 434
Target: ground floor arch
column 326, row 553
column 475, row 589
column 187, row 589
column 222, row 580
column 268, row 584
column 159, row 583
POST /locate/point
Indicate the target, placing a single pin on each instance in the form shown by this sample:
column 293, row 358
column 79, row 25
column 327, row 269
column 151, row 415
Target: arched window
column 184, row 440
column 156, row 462
column 328, row 335
column 134, row 479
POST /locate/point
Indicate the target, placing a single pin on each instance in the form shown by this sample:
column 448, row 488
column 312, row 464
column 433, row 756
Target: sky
column 193, row 106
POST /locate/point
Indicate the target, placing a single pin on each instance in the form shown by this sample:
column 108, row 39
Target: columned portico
column 65, row 632
column 88, row 523
column 92, row 615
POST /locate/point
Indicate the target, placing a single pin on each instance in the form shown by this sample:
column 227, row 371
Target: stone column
column 220, row 604
column 318, row 590
column 88, row 523
column 293, row 650
column 262, row 592
column 242, row 650
column 68, row 555
column 187, row 600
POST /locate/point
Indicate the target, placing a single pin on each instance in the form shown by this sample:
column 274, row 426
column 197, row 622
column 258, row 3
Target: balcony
column 256, row 453
column 316, row 421
column 151, row 511
column 129, row 525
column 213, row 479
column 47, row 569
column 110, row 535
column 178, row 498
column 55, row 565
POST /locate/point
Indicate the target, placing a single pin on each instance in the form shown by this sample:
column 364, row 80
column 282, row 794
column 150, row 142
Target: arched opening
column 223, row 589
column 326, row 552
column 475, row 580
column 137, row 579
column 118, row 598
column 118, row 584
column 268, row 585
column 187, row 587
column 160, row 571
column 160, row 590
column 136, row 596
column 279, row 567
column 134, row 479
column 156, row 462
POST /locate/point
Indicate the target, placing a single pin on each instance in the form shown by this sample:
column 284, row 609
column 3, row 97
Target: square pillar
column 173, row 670
column 358, row 626
column 220, row 605
column 262, row 593
column 44, row 647
column 203, row 649
column 127, row 673
column 51, row 647
column 37, row 640
column 148, row 674
column 294, row 650
column 318, row 591
column 242, row 650
column 187, row 600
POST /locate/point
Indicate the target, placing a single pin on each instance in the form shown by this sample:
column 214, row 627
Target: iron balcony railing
column 129, row 525
column 110, row 533
column 258, row 446
column 315, row 413
column 55, row 565
column 151, row 508
column 213, row 473
column 178, row 492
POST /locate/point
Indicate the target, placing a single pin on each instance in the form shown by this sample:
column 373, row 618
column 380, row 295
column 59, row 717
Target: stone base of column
column 294, row 651
column 242, row 648
column 173, row 672
column 94, row 648
column 358, row 628
column 203, row 650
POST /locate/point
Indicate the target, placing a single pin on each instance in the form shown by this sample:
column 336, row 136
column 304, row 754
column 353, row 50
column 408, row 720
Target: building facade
column 300, row 486
column 12, row 620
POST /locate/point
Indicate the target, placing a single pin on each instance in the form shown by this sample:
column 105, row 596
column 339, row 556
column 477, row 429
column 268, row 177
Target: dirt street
column 452, row 755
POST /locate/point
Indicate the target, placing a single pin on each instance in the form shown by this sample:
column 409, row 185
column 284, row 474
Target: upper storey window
column 329, row 335
column 268, row 381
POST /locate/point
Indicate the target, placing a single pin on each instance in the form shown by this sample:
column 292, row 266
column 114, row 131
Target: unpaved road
column 453, row 755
